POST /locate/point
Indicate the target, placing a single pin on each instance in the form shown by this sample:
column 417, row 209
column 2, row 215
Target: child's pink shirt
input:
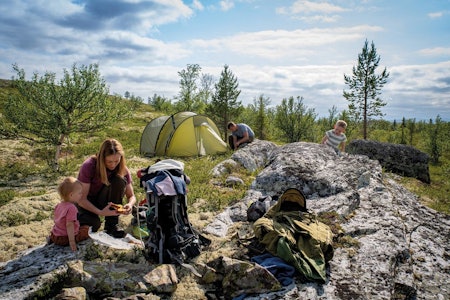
column 65, row 212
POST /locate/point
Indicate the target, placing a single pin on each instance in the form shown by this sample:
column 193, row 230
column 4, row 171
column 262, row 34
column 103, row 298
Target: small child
column 336, row 137
column 67, row 230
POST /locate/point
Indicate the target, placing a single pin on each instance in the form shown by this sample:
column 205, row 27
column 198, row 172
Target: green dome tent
column 181, row 134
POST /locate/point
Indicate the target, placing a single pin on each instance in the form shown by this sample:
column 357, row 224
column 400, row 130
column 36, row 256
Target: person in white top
column 336, row 138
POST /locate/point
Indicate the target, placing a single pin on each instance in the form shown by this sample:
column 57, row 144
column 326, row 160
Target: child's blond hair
column 67, row 186
column 341, row 123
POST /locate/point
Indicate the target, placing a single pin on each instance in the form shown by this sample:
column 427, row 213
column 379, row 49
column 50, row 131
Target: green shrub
column 38, row 192
column 15, row 219
column 40, row 216
column 93, row 252
column 20, row 169
column 6, row 196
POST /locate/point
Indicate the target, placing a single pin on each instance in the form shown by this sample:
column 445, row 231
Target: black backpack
column 172, row 238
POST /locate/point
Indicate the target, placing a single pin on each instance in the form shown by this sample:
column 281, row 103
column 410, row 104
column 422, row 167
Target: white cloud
column 226, row 5
column 196, row 4
column 302, row 6
column 419, row 91
column 311, row 12
column 292, row 53
column 320, row 18
column 435, row 51
column 284, row 44
column 427, row 76
column 435, row 15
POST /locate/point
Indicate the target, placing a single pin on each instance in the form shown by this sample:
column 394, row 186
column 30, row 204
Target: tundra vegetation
column 28, row 160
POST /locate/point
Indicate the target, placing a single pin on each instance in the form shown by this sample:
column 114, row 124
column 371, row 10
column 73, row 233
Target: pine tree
column 259, row 118
column 224, row 105
column 365, row 87
column 403, row 137
column 434, row 144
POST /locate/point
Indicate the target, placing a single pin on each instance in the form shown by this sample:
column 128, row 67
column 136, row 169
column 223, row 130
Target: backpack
column 172, row 239
column 287, row 230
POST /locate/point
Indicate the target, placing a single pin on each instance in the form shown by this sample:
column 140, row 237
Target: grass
column 17, row 170
column 31, row 160
column 435, row 195
column 6, row 196
column 213, row 191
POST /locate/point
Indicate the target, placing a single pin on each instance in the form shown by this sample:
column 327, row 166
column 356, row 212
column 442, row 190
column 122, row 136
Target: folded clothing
column 282, row 271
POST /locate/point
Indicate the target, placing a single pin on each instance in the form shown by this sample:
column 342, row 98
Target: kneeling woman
column 105, row 180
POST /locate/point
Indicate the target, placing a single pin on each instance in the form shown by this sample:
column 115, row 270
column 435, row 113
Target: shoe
column 116, row 232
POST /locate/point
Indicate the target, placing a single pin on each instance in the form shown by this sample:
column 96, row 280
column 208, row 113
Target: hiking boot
column 116, row 232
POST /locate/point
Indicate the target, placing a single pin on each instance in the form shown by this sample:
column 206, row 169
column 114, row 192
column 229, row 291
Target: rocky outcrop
column 390, row 246
column 387, row 245
column 404, row 160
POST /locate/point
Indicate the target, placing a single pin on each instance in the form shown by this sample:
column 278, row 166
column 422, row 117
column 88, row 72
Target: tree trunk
column 58, row 152
column 365, row 117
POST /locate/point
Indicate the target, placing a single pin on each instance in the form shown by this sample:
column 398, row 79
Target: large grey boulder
column 390, row 247
column 401, row 159
column 254, row 156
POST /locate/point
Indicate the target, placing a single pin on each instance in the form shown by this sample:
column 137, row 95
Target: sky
column 275, row 48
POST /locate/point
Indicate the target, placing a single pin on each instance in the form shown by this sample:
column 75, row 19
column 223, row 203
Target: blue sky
column 275, row 48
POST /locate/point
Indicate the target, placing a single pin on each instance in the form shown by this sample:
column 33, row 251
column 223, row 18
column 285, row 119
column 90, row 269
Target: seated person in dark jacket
column 241, row 135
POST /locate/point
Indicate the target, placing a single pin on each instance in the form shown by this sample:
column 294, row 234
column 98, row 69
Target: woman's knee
column 117, row 189
column 91, row 220
column 118, row 182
